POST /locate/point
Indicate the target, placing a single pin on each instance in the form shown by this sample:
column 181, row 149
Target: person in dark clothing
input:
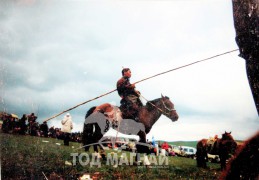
column 34, row 128
column 6, row 121
column 44, row 129
column 16, row 126
column 11, row 124
column 32, row 124
column 130, row 102
column 23, row 125
column 32, row 117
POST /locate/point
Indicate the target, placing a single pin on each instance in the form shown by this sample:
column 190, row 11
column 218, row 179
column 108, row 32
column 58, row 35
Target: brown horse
column 148, row 115
column 245, row 162
column 222, row 147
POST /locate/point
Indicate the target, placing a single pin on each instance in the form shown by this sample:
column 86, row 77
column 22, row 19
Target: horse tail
column 87, row 133
column 91, row 134
column 90, row 111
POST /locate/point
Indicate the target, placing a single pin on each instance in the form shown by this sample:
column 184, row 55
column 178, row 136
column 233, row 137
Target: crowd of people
column 27, row 125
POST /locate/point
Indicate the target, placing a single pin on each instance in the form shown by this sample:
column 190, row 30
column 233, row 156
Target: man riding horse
column 130, row 102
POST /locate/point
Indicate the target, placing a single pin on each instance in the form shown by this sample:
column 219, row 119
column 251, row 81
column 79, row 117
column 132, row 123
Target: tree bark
column 246, row 18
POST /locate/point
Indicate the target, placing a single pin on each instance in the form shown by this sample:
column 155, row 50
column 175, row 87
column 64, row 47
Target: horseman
column 130, row 102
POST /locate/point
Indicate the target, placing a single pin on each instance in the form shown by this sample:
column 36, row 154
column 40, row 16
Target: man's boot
column 135, row 110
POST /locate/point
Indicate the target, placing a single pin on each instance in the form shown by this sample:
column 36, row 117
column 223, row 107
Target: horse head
column 228, row 140
column 227, row 136
column 168, row 108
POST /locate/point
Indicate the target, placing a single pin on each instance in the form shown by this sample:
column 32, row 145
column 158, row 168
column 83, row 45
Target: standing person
column 44, row 128
column 23, row 124
column 32, row 117
column 165, row 146
column 32, row 124
column 67, row 126
column 130, row 102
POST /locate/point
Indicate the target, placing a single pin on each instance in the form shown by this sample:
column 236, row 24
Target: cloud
column 56, row 55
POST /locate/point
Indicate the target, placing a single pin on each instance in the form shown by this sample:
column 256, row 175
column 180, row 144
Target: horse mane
column 90, row 111
column 149, row 105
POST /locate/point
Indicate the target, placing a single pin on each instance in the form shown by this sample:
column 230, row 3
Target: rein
column 163, row 112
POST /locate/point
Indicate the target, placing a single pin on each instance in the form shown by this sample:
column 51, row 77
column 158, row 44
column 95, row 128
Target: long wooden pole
column 141, row 81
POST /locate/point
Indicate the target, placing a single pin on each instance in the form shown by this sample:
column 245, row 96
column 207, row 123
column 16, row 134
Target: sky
column 57, row 54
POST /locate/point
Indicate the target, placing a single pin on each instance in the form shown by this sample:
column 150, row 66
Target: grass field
column 26, row 157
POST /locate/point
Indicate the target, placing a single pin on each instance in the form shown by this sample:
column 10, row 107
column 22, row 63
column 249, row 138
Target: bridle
column 169, row 110
column 159, row 109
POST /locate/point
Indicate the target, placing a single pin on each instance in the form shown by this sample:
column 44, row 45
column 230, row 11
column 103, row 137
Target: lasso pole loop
column 141, row 81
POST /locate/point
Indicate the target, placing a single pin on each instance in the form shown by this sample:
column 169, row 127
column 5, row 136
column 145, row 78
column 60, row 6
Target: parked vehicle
column 124, row 143
column 130, row 144
column 177, row 151
column 189, row 151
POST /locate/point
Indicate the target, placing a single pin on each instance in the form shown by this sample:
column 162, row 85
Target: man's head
column 126, row 72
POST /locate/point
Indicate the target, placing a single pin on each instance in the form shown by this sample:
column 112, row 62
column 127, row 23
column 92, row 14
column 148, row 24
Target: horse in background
column 148, row 115
column 245, row 162
column 222, row 147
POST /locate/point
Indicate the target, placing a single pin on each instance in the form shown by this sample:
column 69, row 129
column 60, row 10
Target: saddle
column 113, row 113
column 212, row 146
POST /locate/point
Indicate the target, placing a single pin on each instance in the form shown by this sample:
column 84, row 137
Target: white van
column 189, row 151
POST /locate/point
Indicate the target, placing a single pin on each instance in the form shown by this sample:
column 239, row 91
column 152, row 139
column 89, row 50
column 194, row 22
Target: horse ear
column 162, row 96
column 230, row 132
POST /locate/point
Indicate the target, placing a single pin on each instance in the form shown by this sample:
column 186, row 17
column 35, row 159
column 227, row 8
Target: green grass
column 26, row 157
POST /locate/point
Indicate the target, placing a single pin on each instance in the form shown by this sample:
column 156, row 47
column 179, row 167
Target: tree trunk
column 246, row 18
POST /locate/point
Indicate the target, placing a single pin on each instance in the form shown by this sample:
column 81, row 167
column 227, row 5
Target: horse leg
column 87, row 136
column 200, row 158
column 222, row 162
column 142, row 136
column 202, row 154
column 204, row 158
column 142, row 147
column 96, row 137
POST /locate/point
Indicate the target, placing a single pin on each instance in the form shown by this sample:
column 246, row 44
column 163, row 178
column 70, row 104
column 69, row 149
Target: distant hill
column 182, row 143
column 193, row 143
